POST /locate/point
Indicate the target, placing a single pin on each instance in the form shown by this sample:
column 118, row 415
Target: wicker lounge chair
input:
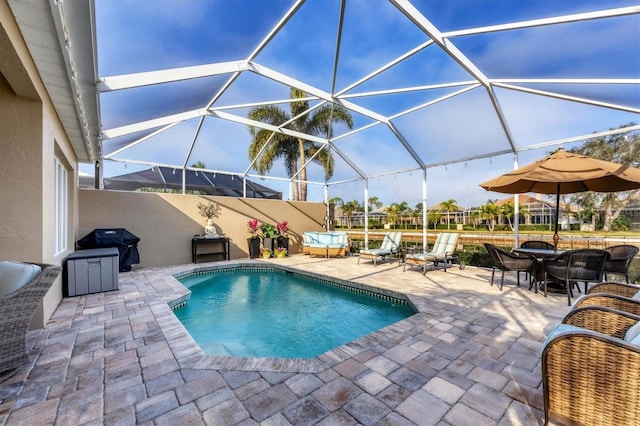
column 389, row 247
column 612, row 301
column 626, row 290
column 504, row 261
column 620, row 260
column 590, row 369
column 575, row 266
column 16, row 309
column 443, row 251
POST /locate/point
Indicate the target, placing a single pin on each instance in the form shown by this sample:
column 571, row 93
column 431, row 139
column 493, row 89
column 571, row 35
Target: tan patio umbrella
column 566, row 173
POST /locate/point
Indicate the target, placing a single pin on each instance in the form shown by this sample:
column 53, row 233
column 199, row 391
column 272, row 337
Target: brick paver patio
column 469, row 357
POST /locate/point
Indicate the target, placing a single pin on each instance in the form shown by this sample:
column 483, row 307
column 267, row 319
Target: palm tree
column 293, row 149
column 337, row 201
column 405, row 210
column 433, row 216
column 374, row 202
column 393, row 211
column 508, row 211
column 348, row 208
column 448, row 206
column 489, row 211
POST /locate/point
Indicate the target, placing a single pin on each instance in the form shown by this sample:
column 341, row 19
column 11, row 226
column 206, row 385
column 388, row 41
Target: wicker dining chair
column 620, row 260
column 537, row 245
column 16, row 311
column 590, row 369
column 575, row 266
column 505, row 261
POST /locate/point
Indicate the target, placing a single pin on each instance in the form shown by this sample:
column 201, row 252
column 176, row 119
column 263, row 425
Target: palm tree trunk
column 303, row 172
column 295, row 194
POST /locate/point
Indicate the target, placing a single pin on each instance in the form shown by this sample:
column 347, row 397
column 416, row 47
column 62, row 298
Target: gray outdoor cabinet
column 92, row 271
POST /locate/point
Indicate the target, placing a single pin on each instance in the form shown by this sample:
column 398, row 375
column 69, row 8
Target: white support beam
column 569, row 98
column 261, row 125
column 408, row 89
column 150, row 78
column 142, row 139
column 600, row 14
column 435, row 101
column 150, row 124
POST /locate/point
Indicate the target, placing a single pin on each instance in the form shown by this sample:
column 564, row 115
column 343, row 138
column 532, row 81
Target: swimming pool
column 276, row 313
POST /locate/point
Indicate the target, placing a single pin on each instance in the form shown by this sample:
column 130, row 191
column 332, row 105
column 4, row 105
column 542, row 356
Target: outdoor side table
column 213, row 249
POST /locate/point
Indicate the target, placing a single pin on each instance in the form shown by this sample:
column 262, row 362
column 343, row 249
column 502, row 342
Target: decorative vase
column 283, row 242
column 282, row 253
column 266, row 254
column 254, row 247
column 269, row 243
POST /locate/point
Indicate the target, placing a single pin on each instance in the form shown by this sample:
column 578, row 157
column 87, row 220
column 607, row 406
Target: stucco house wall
column 166, row 223
column 30, row 135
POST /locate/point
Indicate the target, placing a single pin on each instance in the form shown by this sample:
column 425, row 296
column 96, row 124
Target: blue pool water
column 278, row 314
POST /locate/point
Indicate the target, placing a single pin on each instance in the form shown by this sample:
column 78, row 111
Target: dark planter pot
column 269, row 243
column 283, row 242
column 254, row 247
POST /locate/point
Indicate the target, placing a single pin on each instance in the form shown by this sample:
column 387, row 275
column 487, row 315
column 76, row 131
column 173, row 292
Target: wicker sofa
column 590, row 368
column 22, row 287
column 325, row 244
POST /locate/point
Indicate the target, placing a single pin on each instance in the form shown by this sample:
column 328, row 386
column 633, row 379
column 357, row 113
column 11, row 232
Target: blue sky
column 133, row 37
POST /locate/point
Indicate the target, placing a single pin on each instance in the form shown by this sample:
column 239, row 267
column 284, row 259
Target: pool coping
column 188, row 353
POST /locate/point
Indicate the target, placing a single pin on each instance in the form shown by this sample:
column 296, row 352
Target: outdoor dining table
column 540, row 255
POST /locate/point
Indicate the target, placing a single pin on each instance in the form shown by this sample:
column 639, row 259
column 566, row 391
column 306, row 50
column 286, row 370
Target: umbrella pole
column 555, row 235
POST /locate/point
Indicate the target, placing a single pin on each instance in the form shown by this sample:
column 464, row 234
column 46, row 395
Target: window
column 61, row 202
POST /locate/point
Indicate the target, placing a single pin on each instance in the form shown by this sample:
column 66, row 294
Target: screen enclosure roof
column 427, row 83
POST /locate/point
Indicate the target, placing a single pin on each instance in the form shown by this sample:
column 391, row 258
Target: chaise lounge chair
column 390, row 246
column 442, row 251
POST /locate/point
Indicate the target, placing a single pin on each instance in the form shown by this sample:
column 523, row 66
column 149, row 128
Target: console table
column 212, row 248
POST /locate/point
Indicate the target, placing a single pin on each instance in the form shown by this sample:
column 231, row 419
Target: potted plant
column 269, row 235
column 254, row 239
column 265, row 252
column 280, row 252
column 283, row 238
column 209, row 210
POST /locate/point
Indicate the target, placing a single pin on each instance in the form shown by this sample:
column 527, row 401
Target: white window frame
column 61, row 206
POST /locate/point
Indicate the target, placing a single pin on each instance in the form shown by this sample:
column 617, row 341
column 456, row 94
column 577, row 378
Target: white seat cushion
column 14, row 275
column 560, row 329
column 633, row 335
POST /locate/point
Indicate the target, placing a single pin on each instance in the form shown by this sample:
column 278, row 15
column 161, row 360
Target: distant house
column 536, row 211
column 633, row 213
column 455, row 216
